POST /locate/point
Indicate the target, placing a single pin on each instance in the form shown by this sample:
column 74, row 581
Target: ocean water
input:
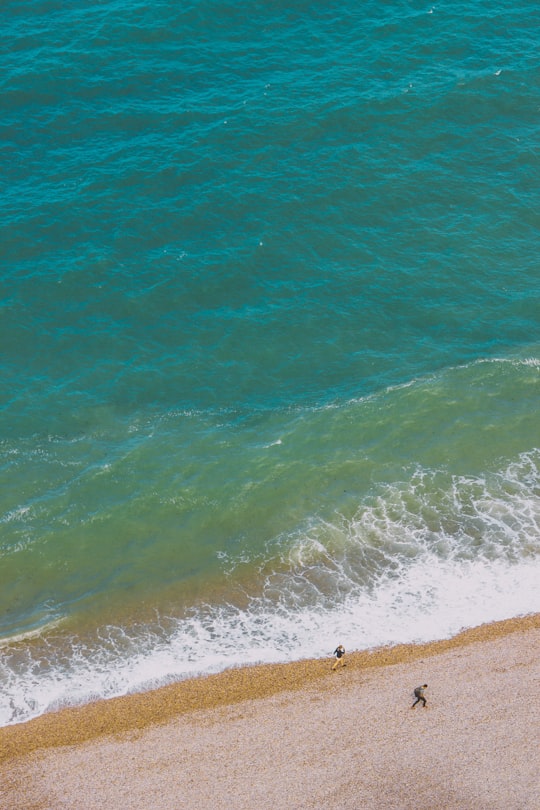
column 270, row 334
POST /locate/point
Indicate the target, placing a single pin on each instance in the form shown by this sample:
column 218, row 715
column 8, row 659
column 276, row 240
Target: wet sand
column 301, row 736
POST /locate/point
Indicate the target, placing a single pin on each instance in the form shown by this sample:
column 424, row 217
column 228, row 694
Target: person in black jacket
column 339, row 652
column 419, row 695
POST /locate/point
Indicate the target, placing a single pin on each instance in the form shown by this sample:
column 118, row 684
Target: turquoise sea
column 269, row 334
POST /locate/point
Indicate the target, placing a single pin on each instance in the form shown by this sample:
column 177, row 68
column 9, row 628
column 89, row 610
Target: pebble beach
column 302, row 736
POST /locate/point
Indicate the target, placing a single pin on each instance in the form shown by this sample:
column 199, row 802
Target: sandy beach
column 301, row 736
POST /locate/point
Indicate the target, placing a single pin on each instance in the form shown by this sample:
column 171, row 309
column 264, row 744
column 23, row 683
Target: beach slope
column 302, row 736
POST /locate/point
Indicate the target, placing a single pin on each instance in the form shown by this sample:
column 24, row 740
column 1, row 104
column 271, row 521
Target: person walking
column 339, row 652
column 419, row 695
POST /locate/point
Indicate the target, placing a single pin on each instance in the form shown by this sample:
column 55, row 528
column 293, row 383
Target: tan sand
column 301, row 736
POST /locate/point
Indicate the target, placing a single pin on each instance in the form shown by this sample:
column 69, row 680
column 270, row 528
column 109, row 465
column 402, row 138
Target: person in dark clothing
column 339, row 652
column 419, row 695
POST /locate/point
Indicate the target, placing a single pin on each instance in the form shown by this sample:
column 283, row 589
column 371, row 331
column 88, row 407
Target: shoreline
column 300, row 736
column 115, row 716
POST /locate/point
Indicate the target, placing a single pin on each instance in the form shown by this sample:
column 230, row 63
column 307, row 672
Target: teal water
column 270, row 335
